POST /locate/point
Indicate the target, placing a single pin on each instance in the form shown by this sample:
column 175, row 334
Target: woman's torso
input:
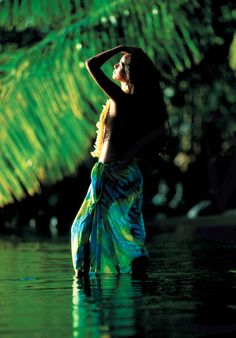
column 123, row 127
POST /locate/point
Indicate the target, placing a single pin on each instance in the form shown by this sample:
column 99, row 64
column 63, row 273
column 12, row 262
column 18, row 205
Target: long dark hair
column 145, row 79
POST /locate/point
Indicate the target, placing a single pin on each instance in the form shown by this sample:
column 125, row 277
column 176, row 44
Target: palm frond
column 47, row 98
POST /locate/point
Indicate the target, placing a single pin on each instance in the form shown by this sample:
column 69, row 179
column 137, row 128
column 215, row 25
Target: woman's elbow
column 89, row 63
column 86, row 62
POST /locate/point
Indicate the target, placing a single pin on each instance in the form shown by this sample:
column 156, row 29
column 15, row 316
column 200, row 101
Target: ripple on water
column 190, row 291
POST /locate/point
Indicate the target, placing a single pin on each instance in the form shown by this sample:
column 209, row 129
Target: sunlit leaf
column 48, row 100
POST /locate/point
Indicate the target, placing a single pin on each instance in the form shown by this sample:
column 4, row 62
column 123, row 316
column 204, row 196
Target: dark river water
column 190, row 290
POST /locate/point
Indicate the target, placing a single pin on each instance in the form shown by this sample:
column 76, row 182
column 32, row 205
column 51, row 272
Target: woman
column 108, row 233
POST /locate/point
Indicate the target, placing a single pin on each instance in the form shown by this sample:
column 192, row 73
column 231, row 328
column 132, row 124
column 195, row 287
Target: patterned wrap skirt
column 110, row 219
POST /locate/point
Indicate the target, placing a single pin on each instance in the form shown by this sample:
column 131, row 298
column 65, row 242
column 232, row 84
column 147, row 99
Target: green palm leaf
column 47, row 119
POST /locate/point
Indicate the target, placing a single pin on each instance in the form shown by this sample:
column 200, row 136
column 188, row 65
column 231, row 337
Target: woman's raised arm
column 94, row 67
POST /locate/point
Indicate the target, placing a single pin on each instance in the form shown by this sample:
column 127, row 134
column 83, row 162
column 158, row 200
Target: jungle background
column 50, row 105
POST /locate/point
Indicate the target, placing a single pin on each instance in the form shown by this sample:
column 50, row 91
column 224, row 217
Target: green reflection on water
column 35, row 287
column 189, row 291
column 105, row 306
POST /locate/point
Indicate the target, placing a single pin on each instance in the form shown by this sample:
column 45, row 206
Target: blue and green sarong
column 110, row 219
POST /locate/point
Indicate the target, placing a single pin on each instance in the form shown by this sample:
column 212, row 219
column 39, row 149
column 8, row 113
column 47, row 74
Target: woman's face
column 120, row 69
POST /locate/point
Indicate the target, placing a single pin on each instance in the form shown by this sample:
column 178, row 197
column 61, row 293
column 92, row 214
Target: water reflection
column 190, row 290
column 106, row 306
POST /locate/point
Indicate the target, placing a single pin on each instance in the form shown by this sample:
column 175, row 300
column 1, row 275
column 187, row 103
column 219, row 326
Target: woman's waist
column 112, row 154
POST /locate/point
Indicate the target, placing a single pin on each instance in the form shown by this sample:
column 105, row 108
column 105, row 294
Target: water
column 190, row 291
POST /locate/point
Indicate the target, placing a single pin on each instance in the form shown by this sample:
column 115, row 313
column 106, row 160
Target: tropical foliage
column 49, row 104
